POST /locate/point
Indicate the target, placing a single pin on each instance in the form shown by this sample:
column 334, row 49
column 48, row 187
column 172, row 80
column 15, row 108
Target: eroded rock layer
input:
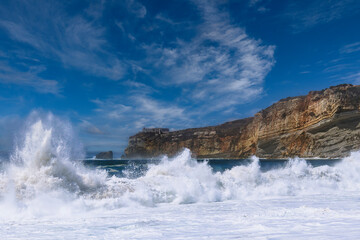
column 321, row 124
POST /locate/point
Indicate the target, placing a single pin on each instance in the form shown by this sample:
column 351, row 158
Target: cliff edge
column 322, row 124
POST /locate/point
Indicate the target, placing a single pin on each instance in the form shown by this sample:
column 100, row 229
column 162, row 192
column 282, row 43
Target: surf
column 45, row 176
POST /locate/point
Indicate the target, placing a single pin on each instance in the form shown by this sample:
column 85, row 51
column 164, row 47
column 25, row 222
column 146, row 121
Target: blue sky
column 113, row 67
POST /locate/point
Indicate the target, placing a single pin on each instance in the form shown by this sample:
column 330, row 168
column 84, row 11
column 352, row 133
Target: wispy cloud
column 352, row 78
column 90, row 128
column 136, row 8
column 140, row 111
column 307, row 14
column 254, row 2
column 118, row 117
column 259, row 5
column 159, row 112
column 351, row 48
column 171, row 69
column 221, row 65
column 74, row 40
column 28, row 77
column 216, row 69
column 342, row 66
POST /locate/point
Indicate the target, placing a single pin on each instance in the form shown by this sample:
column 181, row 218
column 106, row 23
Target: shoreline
column 218, row 159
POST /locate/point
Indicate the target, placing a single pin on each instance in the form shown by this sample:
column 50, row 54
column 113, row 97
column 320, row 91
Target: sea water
column 48, row 192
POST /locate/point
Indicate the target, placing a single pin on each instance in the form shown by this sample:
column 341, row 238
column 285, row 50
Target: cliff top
column 322, row 123
column 281, row 104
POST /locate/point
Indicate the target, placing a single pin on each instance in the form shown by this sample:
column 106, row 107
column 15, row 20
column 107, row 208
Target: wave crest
column 42, row 172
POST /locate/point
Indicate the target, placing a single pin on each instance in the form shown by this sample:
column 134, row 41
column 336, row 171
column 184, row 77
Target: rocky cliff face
column 321, row 124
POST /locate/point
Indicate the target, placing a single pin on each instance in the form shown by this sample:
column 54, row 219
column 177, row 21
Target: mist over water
column 44, row 178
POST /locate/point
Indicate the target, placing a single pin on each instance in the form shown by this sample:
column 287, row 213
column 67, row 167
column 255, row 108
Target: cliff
column 321, row 124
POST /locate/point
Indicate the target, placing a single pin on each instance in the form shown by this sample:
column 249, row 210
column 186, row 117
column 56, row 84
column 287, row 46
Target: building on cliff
column 323, row 123
column 155, row 130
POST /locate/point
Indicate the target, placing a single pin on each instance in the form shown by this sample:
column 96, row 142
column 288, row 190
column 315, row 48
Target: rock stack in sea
column 104, row 155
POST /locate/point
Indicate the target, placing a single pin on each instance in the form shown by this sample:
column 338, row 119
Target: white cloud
column 20, row 33
column 351, row 48
column 136, row 8
column 221, row 64
column 73, row 40
column 309, row 14
column 139, row 108
column 96, row 9
column 119, row 117
column 352, row 78
column 219, row 68
column 254, row 2
column 29, row 78
column 159, row 112
column 263, row 9
column 90, row 128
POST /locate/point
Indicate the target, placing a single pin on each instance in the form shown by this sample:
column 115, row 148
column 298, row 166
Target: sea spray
column 42, row 170
column 44, row 177
column 183, row 180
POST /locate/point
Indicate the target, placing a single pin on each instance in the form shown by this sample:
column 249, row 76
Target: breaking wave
column 43, row 177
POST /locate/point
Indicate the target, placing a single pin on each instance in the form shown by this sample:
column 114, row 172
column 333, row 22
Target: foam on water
column 43, row 177
column 45, row 193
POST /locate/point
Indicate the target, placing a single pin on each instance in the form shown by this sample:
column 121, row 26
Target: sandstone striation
column 321, row 124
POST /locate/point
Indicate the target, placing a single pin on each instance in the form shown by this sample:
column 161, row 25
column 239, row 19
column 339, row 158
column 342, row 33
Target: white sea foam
column 43, row 163
column 43, row 180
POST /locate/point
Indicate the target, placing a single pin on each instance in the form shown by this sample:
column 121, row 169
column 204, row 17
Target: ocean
column 48, row 191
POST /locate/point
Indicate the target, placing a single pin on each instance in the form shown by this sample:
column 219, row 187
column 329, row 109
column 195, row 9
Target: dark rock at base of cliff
column 105, row 155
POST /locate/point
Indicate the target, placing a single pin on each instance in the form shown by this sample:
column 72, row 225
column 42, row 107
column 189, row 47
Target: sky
column 114, row 67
